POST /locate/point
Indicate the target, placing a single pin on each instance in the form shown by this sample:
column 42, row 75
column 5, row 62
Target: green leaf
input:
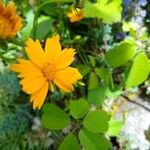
column 97, row 95
column 149, row 65
column 93, row 81
column 100, row 10
column 115, row 127
column 103, row 73
column 54, row 1
column 78, row 108
column 25, row 32
column 50, row 9
column 83, row 69
column 69, row 143
column 44, row 27
column 96, row 121
column 54, row 118
column 120, row 54
column 114, row 93
column 139, row 71
column 92, row 60
column 93, row 141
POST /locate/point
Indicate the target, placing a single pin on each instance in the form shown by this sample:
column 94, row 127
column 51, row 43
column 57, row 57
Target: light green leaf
column 96, row 121
column 93, row 81
column 69, row 143
column 120, row 54
column 78, row 108
column 108, row 11
column 115, row 127
column 139, row 71
column 54, row 118
column 54, row 1
column 114, row 93
column 25, row 32
column 149, row 64
column 93, row 141
column 97, row 95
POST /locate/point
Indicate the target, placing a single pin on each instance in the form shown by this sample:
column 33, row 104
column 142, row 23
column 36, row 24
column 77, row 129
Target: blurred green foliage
column 112, row 55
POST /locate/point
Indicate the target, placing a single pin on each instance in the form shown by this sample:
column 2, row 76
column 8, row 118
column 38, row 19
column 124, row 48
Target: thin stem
column 134, row 102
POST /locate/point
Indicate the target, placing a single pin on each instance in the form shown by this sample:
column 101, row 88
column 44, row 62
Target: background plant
column 112, row 55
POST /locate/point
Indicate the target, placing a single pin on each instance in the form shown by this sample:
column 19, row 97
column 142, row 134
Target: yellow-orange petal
column 52, row 48
column 35, row 53
column 10, row 10
column 1, row 6
column 10, row 22
column 51, row 87
column 26, row 69
column 75, row 15
column 63, row 85
column 31, row 85
column 65, row 59
column 66, row 77
column 38, row 97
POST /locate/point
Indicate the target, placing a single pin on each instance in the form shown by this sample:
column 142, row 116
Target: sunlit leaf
column 108, row 11
column 115, row 127
column 139, row 71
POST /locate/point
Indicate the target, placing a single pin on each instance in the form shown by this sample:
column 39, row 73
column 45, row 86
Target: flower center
column 49, row 72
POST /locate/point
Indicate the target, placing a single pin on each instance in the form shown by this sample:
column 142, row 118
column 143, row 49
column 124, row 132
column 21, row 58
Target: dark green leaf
column 96, row 121
column 83, row 69
column 93, row 81
column 69, row 143
column 120, row 54
column 92, row 60
column 78, row 108
column 54, row 118
column 103, row 73
column 43, row 28
column 97, row 95
column 93, row 141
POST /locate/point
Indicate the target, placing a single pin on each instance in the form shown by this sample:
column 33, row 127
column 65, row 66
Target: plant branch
column 134, row 102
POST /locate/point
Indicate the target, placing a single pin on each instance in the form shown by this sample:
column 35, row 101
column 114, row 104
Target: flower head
column 75, row 15
column 10, row 22
column 46, row 68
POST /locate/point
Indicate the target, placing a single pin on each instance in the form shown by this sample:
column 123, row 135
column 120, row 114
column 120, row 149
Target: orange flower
column 10, row 22
column 75, row 15
column 46, row 68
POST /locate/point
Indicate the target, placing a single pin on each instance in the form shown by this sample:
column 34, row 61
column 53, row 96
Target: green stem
column 110, row 74
column 40, row 8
